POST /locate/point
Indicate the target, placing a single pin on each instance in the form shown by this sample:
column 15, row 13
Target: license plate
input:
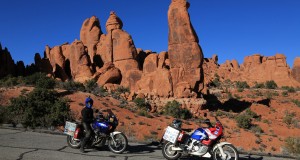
column 171, row 134
column 70, row 128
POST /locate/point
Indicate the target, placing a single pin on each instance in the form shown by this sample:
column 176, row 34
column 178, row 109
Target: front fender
column 114, row 133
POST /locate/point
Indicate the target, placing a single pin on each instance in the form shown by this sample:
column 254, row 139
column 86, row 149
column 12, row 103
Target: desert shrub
column 71, row 86
column 41, row 107
column 270, row 84
column 252, row 114
column 244, row 121
column 297, row 102
column 216, row 82
column 289, row 118
column 292, row 144
column 256, row 129
column 34, row 78
column 90, row 85
column 174, row 109
column 141, row 103
column 45, row 82
column 240, row 89
column 100, row 91
column 259, row 85
column 122, row 89
column 9, row 81
column 289, row 89
column 242, row 84
column 3, row 114
column 142, row 113
column 285, row 93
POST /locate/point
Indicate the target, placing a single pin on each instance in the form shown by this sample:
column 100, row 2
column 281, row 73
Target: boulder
column 113, row 75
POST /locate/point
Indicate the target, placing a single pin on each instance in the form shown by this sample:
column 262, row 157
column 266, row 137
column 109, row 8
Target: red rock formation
column 108, row 74
column 90, row 34
column 256, row 68
column 118, row 47
column 155, row 80
column 296, row 69
column 79, row 62
column 184, row 52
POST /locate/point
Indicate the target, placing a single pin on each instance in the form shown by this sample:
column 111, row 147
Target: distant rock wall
column 255, row 68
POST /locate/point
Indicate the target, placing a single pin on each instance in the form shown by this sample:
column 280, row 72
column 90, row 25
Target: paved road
column 24, row 145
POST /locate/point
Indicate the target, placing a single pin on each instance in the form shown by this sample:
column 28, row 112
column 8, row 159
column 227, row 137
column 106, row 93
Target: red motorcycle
column 203, row 142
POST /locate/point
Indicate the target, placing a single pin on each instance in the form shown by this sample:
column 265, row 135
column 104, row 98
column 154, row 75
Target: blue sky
column 232, row 29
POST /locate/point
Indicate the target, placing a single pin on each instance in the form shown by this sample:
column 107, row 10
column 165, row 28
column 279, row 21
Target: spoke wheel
column 230, row 152
column 119, row 144
column 73, row 143
column 168, row 153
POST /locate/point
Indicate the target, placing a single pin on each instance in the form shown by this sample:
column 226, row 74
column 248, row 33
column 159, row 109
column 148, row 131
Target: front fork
column 221, row 151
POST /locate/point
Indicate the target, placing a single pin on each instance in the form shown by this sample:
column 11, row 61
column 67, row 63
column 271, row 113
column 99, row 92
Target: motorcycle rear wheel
column 120, row 145
column 73, row 143
column 168, row 153
column 230, row 151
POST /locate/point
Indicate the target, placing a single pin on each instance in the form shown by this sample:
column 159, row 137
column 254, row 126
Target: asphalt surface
column 26, row 145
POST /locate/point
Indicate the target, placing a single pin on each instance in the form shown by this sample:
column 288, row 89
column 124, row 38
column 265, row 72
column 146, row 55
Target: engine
column 195, row 147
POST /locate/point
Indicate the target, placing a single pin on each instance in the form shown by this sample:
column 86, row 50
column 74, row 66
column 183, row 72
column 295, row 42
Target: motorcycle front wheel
column 118, row 143
column 73, row 143
column 230, row 152
column 168, row 153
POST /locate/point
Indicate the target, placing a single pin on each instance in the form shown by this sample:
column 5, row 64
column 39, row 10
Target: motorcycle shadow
column 143, row 148
column 184, row 157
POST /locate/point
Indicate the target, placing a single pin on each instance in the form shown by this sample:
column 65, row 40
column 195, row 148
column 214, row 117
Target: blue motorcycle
column 103, row 133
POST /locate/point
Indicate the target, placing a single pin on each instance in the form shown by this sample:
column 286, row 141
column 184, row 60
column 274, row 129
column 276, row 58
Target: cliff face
column 256, row 68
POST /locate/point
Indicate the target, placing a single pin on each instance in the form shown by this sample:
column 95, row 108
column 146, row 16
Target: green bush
column 297, row 102
column 216, row 82
column 244, row 121
column 46, row 82
column 9, row 81
column 285, row 93
column 174, row 109
column 242, row 84
column 292, row 144
column 34, row 78
column 122, row 89
column 41, row 107
column 259, row 85
column 289, row 89
column 271, row 84
column 141, row 103
column 289, row 118
column 3, row 114
column 250, row 113
column 71, row 86
column 90, row 85
column 100, row 91
column 256, row 129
